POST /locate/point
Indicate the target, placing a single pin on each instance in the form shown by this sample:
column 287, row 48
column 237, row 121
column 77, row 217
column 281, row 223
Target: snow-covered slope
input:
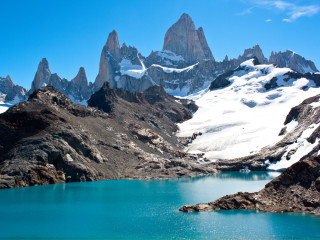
column 240, row 119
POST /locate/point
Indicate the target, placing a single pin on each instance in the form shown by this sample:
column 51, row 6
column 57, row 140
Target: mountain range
column 184, row 66
column 246, row 113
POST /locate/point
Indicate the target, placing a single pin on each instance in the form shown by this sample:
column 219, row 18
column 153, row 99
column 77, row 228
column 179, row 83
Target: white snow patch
column 301, row 148
column 166, row 54
column 4, row 106
column 127, row 68
column 242, row 118
column 291, row 125
column 315, row 104
column 171, row 70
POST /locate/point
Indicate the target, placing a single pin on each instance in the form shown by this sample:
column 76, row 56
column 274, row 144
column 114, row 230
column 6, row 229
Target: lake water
column 132, row 209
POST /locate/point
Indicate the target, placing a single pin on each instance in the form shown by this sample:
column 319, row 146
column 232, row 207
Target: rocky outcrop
column 9, row 92
column 49, row 139
column 297, row 189
column 292, row 60
column 183, row 39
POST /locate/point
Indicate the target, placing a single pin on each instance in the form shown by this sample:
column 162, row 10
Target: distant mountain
column 10, row 93
column 77, row 89
column 292, row 60
column 183, row 67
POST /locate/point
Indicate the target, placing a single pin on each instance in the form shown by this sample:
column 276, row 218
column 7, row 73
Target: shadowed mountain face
column 49, row 139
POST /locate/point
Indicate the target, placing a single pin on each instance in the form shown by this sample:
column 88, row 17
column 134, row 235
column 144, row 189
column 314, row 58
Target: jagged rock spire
column 292, row 60
column 112, row 44
column 255, row 51
column 42, row 76
column 81, row 78
column 183, row 39
column 206, row 50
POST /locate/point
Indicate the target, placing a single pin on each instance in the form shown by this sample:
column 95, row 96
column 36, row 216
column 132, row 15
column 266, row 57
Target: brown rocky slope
column 49, row 139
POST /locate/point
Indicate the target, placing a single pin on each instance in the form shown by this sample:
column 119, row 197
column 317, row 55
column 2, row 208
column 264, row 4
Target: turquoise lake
column 133, row 209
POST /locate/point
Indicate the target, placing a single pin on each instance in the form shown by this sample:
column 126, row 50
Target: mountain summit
column 183, row 39
column 112, row 44
column 42, row 76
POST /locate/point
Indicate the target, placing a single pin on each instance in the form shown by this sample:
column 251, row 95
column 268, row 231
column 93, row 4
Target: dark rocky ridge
column 297, row 189
column 49, row 139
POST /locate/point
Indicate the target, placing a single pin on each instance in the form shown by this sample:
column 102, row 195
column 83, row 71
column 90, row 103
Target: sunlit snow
column 242, row 118
column 127, row 68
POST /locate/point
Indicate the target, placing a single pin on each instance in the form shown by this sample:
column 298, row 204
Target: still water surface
column 132, row 209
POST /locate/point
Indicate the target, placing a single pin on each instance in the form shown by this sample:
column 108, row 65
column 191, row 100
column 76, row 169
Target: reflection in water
column 243, row 176
column 133, row 209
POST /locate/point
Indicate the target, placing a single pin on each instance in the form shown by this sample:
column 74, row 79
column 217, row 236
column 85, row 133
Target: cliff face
column 49, row 139
column 43, row 74
column 292, row 60
column 121, row 67
column 183, row 39
column 297, row 189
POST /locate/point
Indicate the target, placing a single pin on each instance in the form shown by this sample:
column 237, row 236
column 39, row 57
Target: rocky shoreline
column 297, row 189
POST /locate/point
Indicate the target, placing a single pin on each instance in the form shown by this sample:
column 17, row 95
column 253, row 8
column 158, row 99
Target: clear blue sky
column 72, row 33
